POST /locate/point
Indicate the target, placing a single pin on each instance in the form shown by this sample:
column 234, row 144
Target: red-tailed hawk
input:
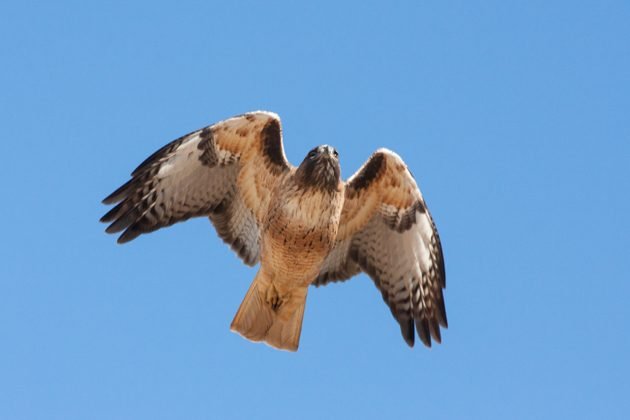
column 304, row 225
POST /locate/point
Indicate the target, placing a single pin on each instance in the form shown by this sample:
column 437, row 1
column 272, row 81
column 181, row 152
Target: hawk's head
column 320, row 168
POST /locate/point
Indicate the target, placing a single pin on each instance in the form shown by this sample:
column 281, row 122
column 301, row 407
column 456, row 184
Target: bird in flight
column 304, row 225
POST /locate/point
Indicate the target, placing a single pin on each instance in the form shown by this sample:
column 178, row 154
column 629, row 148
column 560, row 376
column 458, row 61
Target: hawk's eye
column 335, row 153
column 312, row 153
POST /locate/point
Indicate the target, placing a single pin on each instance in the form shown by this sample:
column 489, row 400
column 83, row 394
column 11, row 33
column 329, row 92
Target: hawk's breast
column 300, row 230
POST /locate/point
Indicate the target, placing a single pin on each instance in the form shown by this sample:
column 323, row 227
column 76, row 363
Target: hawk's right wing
column 225, row 171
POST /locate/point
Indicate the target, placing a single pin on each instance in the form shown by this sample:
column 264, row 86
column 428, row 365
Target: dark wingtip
column 442, row 313
column 444, row 322
column 120, row 224
column 120, row 193
column 406, row 329
column 129, row 235
column 422, row 326
column 435, row 331
column 110, row 199
column 113, row 228
column 112, row 214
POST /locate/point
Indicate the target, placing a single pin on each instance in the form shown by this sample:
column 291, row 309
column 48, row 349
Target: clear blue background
column 513, row 116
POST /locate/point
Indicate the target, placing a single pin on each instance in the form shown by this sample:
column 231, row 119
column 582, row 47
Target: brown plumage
column 304, row 225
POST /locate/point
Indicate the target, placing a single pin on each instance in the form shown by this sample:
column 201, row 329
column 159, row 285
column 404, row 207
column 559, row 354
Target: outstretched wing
column 387, row 232
column 225, row 171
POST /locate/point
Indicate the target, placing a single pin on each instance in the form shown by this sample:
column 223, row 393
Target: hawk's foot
column 273, row 297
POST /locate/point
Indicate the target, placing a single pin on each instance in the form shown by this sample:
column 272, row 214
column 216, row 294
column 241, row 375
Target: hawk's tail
column 279, row 327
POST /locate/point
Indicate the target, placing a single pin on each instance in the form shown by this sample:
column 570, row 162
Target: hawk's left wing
column 387, row 232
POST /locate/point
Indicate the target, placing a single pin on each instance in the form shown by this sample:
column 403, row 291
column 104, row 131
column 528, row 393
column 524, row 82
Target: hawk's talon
column 273, row 297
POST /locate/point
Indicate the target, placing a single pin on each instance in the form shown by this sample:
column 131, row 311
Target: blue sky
column 513, row 116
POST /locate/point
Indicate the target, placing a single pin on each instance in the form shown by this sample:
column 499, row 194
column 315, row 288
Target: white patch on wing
column 425, row 230
column 177, row 161
column 224, row 156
